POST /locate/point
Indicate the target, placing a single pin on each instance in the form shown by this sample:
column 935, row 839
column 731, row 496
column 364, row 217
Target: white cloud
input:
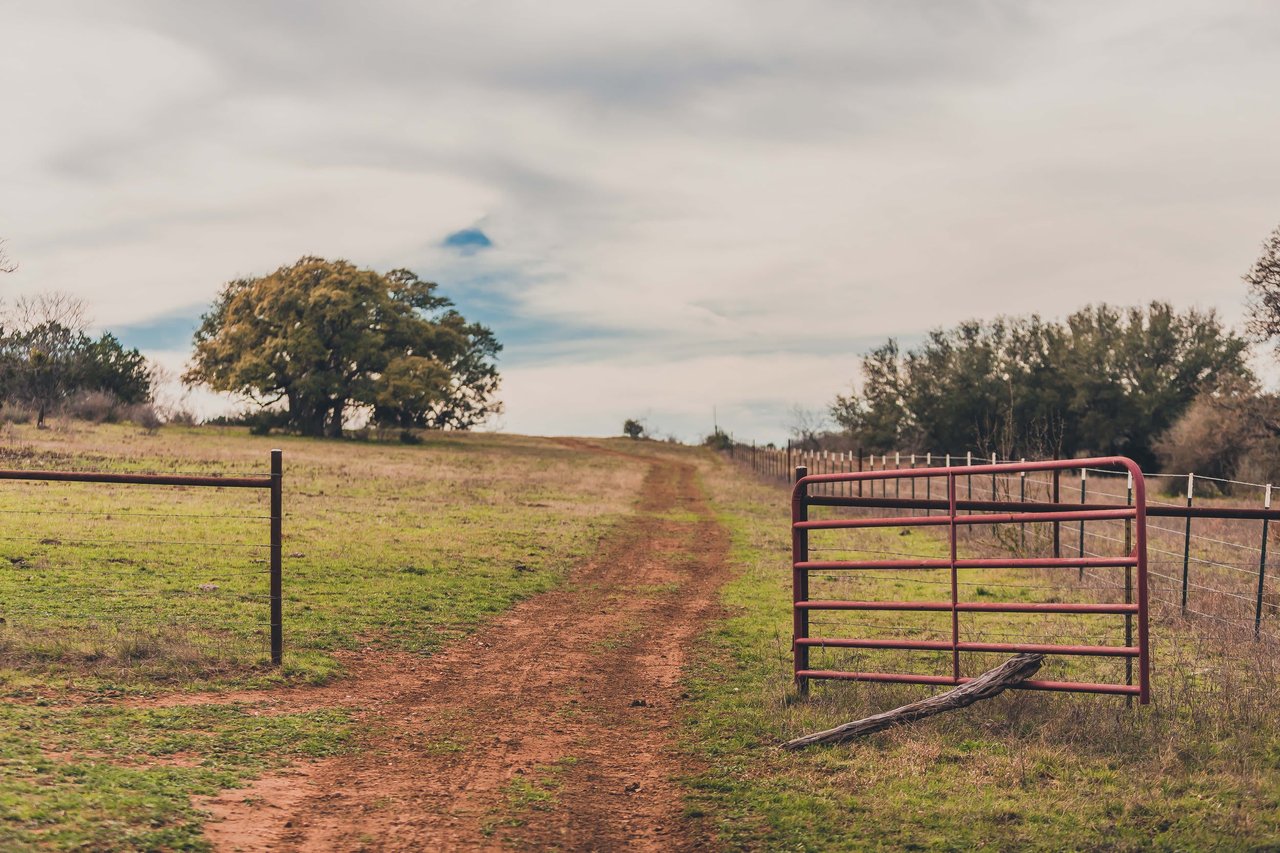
column 676, row 190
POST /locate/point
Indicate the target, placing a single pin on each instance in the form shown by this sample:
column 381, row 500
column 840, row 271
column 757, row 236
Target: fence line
column 1205, row 559
column 271, row 482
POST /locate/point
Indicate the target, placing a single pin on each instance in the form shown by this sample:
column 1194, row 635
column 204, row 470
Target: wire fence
column 133, row 567
column 1209, row 551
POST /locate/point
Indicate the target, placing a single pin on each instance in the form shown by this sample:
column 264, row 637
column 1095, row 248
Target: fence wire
column 1216, row 569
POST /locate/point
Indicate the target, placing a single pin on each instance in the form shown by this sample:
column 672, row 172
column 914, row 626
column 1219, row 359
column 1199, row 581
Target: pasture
column 113, row 594
column 507, row 608
column 1195, row 770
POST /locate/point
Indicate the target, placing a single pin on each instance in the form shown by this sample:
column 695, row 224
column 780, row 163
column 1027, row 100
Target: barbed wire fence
column 113, row 568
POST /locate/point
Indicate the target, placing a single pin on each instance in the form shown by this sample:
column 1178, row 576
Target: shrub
column 718, row 440
column 1226, row 432
column 145, row 416
column 180, row 416
column 12, row 413
column 94, row 406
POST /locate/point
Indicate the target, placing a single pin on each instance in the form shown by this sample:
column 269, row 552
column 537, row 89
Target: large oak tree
column 326, row 337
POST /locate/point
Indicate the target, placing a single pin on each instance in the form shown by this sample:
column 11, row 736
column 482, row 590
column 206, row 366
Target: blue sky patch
column 468, row 241
column 170, row 332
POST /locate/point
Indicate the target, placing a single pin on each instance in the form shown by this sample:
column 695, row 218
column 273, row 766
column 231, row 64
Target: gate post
column 1139, row 501
column 800, row 581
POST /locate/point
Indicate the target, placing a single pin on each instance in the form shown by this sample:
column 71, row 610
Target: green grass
column 101, row 778
column 1199, row 770
column 537, row 790
column 115, row 591
column 133, row 587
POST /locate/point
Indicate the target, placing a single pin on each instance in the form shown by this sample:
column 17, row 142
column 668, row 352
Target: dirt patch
column 552, row 728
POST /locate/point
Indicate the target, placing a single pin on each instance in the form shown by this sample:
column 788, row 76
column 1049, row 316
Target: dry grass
column 1195, row 770
column 384, row 542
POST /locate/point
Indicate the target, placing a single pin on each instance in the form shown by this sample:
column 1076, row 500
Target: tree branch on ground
column 986, row 686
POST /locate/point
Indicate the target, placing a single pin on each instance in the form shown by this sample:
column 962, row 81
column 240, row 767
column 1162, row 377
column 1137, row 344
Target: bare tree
column 7, row 264
column 1263, row 279
column 807, row 426
column 44, row 339
column 48, row 309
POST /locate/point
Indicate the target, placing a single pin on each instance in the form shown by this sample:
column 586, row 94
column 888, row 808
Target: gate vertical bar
column 1138, row 489
column 1186, row 544
column 955, row 577
column 277, row 542
column 1262, row 566
column 800, row 580
column 1128, row 578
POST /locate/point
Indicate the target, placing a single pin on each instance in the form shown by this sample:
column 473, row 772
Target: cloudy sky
column 661, row 208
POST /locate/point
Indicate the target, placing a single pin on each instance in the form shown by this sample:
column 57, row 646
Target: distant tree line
column 48, row 362
column 1105, row 381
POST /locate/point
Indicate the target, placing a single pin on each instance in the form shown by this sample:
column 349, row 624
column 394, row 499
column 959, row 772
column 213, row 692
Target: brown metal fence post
column 968, row 480
column 993, row 480
column 1084, row 486
column 928, row 482
column 1022, row 498
column 277, row 536
column 1262, row 567
column 1057, row 525
column 994, row 495
column 897, row 481
column 800, row 581
column 1186, row 543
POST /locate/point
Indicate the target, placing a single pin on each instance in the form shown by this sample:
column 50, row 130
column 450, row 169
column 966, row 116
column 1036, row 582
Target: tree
column 877, row 418
column 46, row 356
column 324, row 338
column 105, row 365
column 42, row 364
column 1263, row 279
column 6, row 263
column 633, row 429
column 806, row 427
column 1107, row 381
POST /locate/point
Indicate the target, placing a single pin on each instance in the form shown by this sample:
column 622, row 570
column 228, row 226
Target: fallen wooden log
column 989, row 684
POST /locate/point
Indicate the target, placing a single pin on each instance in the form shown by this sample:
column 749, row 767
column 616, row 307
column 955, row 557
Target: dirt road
column 553, row 727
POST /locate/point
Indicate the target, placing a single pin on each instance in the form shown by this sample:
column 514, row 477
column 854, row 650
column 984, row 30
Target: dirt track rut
column 553, row 727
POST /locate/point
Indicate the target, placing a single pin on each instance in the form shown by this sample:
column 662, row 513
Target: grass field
column 1197, row 770
column 118, row 591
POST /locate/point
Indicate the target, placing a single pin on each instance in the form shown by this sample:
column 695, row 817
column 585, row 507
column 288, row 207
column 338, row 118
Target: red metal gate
column 979, row 512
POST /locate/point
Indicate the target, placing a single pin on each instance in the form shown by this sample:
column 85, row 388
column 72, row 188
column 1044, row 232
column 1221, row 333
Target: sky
column 665, row 210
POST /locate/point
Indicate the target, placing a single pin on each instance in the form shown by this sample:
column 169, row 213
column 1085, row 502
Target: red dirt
column 552, row 727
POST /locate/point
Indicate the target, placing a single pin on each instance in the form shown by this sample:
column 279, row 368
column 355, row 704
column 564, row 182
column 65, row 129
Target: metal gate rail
column 801, row 525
